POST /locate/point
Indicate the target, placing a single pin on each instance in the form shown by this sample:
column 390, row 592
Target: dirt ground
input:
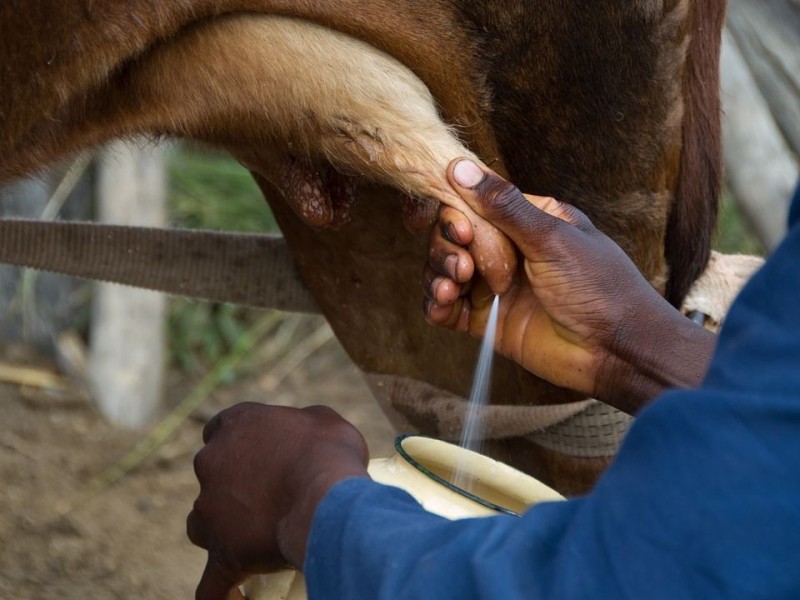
column 58, row 541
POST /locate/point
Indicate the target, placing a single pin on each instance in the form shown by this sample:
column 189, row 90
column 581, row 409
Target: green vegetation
column 209, row 190
column 734, row 235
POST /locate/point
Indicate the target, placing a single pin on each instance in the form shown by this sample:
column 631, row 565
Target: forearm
column 372, row 541
column 659, row 349
column 294, row 529
column 659, row 524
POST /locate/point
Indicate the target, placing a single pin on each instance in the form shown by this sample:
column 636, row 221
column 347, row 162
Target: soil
column 60, row 541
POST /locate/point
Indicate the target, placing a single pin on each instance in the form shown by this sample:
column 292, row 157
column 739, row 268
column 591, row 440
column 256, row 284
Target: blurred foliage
column 209, row 190
column 734, row 235
column 201, row 333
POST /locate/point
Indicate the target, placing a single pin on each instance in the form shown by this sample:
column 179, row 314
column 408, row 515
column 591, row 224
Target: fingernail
column 467, row 174
column 451, row 266
column 451, row 233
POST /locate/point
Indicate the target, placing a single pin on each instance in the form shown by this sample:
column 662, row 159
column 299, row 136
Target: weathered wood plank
column 126, row 360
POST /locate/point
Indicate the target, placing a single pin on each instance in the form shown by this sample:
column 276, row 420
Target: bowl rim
column 398, row 446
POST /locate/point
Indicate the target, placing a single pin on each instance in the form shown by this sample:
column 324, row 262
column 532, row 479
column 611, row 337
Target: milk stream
column 474, row 426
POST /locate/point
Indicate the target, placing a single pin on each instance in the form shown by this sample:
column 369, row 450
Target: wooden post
column 126, row 359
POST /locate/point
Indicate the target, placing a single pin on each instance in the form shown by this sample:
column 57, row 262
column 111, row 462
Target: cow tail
column 693, row 219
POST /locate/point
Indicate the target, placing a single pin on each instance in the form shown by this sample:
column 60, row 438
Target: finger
column 454, row 226
column 441, row 289
column 501, row 203
column 493, row 253
column 212, row 427
column 195, row 530
column 560, row 210
column 322, row 411
column 443, row 256
column 444, row 291
column 337, row 427
column 447, row 253
column 217, row 584
column 200, row 463
column 455, row 316
column 449, row 259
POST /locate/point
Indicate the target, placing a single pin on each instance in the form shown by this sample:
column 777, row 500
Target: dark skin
column 262, row 472
column 578, row 313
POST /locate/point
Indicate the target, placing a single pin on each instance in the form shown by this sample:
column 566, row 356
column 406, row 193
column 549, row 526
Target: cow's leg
column 274, row 86
column 60, row 54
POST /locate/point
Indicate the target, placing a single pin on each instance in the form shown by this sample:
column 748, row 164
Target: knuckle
column 550, row 204
column 213, row 426
column 321, row 411
column 199, row 463
column 581, row 220
column 195, row 528
column 499, row 195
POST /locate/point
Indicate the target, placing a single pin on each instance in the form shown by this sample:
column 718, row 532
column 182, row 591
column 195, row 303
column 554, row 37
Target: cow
column 347, row 112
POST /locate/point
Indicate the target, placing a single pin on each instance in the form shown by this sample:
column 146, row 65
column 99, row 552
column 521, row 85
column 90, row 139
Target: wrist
column 657, row 349
column 294, row 529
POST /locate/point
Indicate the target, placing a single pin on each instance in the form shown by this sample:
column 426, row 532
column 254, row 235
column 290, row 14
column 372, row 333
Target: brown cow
column 611, row 105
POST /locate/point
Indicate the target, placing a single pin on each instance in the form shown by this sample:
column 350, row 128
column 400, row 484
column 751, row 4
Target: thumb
column 217, row 584
column 561, row 210
column 527, row 220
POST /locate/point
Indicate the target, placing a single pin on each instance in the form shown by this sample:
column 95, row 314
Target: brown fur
column 694, row 212
column 580, row 97
column 610, row 105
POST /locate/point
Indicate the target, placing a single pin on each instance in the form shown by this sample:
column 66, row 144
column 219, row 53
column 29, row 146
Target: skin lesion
column 321, row 196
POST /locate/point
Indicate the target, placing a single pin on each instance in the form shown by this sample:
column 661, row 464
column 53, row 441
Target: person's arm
column 579, row 312
column 701, row 501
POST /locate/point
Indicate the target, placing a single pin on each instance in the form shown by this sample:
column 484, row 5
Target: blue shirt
column 702, row 501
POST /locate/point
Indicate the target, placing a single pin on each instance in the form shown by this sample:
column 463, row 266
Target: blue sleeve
column 702, row 501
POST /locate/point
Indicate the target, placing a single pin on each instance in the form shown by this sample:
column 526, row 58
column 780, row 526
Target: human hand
column 262, row 472
column 579, row 312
